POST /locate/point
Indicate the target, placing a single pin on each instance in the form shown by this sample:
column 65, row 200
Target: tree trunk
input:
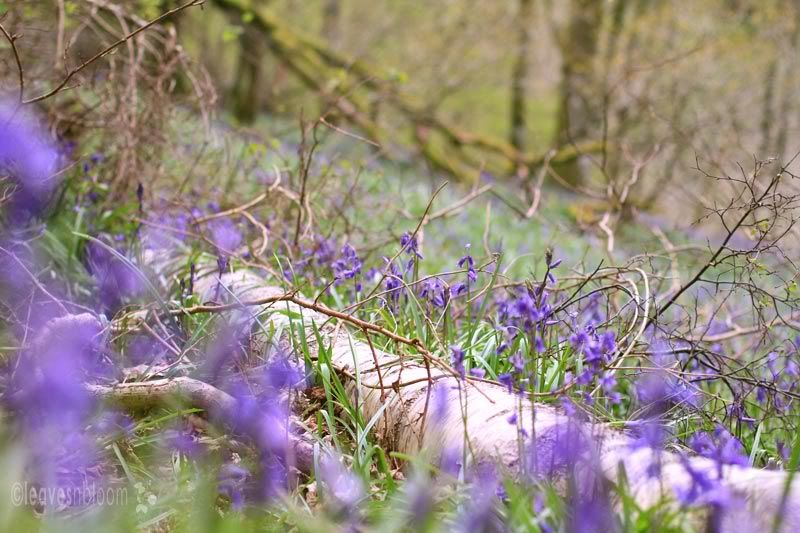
column 519, row 76
column 331, row 22
column 248, row 89
column 579, row 46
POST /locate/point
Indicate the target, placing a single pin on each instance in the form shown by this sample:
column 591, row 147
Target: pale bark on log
column 143, row 396
column 478, row 412
column 218, row 405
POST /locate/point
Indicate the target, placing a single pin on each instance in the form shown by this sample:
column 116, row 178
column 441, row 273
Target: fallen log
column 428, row 410
column 142, row 396
column 218, row 405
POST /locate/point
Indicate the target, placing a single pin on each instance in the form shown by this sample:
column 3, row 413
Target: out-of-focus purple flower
column 608, row 382
column 112, row 423
column 477, row 372
column 47, row 395
column 117, row 280
column 507, row 379
column 324, row 251
column 346, row 490
column 569, row 408
column 165, row 231
column 142, row 349
column 563, row 449
column 440, row 406
column 457, row 360
column 650, row 434
column 450, row 461
column 225, row 235
column 261, row 414
column 479, row 511
column 591, row 514
column 231, row 483
column 608, row 343
column 705, row 487
column 657, row 391
column 29, row 159
column 579, row 339
column 518, row 362
column 538, row 344
column 722, row 447
column 184, row 442
column 420, row 501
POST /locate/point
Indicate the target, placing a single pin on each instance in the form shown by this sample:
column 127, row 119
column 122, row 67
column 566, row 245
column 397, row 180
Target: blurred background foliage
column 462, row 86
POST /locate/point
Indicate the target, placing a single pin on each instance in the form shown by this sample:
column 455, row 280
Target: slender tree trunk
column 331, row 21
column 519, row 76
column 767, row 109
column 249, row 87
column 331, row 28
column 785, row 103
column 579, row 46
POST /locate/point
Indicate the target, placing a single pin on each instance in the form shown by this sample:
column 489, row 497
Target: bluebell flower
column 507, row 380
column 29, row 158
column 348, row 266
column 225, row 235
column 579, row 339
column 479, row 514
column 477, row 372
column 472, row 274
column 409, row 245
column 722, row 447
column 344, row 488
column 231, row 480
column 436, row 292
column 457, row 359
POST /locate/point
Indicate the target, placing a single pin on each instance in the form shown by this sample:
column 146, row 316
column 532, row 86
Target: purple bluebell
column 225, row 235
column 29, row 158
column 436, row 292
column 410, row 245
column 469, row 262
column 344, row 489
column 348, row 266
column 457, row 360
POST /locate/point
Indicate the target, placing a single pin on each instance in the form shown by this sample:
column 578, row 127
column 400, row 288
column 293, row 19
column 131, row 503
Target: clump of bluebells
column 348, row 266
column 597, row 352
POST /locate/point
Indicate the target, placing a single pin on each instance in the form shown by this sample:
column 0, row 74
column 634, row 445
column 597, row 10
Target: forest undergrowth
column 684, row 341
